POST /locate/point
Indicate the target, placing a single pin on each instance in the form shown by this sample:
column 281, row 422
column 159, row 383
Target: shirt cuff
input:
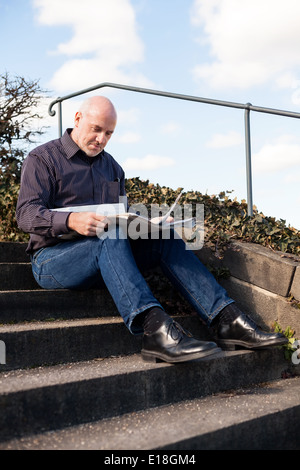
column 59, row 223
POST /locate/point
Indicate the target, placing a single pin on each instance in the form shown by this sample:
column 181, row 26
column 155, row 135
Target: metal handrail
column 246, row 107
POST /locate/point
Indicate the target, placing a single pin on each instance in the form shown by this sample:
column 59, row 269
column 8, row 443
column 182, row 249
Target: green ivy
column 225, row 219
column 9, row 230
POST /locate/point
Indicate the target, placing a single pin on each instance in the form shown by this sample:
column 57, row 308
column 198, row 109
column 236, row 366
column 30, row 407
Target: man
column 75, row 170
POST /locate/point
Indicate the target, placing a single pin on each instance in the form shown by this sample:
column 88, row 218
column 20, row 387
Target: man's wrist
column 70, row 221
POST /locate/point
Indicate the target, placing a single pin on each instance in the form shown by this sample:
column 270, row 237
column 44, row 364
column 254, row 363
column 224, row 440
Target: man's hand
column 87, row 223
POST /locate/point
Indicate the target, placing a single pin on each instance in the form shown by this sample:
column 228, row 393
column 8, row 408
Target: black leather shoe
column 243, row 332
column 171, row 343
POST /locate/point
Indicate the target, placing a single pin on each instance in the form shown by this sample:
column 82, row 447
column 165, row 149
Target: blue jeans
column 118, row 264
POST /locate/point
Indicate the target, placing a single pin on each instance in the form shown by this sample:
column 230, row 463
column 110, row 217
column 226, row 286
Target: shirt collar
column 70, row 147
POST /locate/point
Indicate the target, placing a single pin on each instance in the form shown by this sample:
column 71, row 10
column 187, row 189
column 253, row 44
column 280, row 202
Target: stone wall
column 264, row 283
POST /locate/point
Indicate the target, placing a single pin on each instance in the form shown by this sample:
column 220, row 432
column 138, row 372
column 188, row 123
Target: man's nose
column 101, row 138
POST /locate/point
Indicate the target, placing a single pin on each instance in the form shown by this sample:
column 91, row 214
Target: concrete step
column 15, row 276
column 13, row 252
column 45, row 343
column 40, row 304
column 260, row 282
column 70, row 361
column 50, row 398
column 34, row 344
column 257, row 417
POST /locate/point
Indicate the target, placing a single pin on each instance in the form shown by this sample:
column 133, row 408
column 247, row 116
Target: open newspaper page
column 136, row 223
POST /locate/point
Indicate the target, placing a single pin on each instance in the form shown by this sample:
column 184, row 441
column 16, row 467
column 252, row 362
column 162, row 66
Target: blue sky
column 232, row 50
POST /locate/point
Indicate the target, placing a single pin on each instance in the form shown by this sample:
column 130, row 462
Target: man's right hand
column 87, row 223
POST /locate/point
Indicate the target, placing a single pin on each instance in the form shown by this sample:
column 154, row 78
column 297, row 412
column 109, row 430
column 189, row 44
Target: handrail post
column 59, row 114
column 248, row 160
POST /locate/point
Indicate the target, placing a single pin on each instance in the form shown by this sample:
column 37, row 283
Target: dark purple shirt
column 59, row 174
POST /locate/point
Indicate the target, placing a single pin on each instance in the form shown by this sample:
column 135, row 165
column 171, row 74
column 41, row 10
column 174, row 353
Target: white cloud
column 250, row 42
column 104, row 43
column 279, row 156
column 287, row 80
column 150, row 162
column 225, row 140
column 42, row 110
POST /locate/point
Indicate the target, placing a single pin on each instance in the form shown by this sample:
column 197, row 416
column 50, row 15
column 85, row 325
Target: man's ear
column 78, row 116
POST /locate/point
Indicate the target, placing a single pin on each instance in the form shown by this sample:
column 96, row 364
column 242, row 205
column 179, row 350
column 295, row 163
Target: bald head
column 95, row 103
column 94, row 125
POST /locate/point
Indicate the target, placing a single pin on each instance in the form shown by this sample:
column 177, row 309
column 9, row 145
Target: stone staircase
column 73, row 378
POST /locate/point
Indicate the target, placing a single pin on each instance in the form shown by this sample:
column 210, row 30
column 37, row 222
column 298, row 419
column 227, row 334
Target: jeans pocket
column 46, row 281
column 39, row 264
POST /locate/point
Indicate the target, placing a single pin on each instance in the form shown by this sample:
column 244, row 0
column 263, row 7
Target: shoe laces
column 177, row 332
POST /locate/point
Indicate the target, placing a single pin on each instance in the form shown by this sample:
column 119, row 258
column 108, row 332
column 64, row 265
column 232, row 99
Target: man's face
column 93, row 130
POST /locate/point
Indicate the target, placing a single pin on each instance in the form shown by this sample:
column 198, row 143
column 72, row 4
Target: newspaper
column 117, row 215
